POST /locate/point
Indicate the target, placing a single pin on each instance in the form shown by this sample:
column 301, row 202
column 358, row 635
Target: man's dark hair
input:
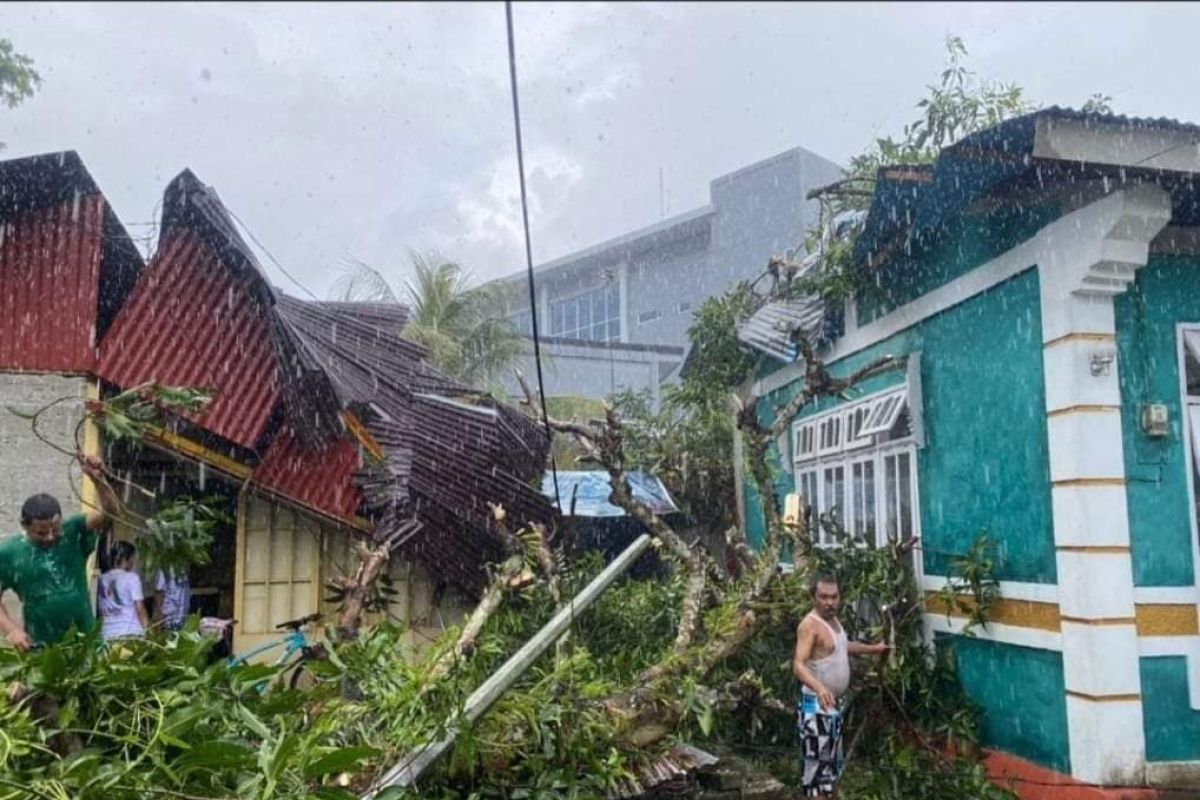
column 822, row 577
column 39, row 508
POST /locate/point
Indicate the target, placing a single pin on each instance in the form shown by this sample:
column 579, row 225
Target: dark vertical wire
column 533, row 315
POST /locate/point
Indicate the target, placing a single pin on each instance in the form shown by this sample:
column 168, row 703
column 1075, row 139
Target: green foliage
column 1098, row 103
column 180, row 534
column 959, row 105
column 136, row 413
column 972, row 588
column 687, row 441
column 462, row 326
column 18, row 78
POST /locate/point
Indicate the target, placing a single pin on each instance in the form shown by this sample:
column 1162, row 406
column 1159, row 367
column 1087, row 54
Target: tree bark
column 371, row 562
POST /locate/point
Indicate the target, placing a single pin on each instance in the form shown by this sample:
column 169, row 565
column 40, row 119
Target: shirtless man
column 822, row 665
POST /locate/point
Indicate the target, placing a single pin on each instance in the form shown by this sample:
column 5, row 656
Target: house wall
column 286, row 557
column 1162, row 537
column 30, row 466
column 1099, row 606
column 593, row 370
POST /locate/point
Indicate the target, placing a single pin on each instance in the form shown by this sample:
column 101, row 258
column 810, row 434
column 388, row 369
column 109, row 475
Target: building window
column 593, row 316
column 648, row 316
column 523, row 322
column 1191, row 406
column 856, row 465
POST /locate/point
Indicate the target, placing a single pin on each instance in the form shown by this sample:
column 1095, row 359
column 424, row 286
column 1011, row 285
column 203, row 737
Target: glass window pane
column 905, row 489
column 889, row 497
column 614, row 331
column 570, row 316
column 869, row 502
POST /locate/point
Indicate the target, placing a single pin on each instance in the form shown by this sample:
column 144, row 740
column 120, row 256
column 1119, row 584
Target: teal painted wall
column 1166, row 292
column 967, row 243
column 986, row 464
column 1172, row 728
column 1022, row 692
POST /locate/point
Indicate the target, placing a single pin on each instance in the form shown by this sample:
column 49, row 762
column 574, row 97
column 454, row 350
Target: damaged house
column 1042, row 281
column 325, row 425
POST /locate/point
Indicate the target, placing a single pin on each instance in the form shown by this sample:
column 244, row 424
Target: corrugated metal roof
column 49, row 282
column 191, row 322
column 65, row 262
column 320, row 478
column 585, row 493
column 771, row 328
column 283, row 371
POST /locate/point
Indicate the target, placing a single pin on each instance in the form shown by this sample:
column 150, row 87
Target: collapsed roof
column 321, row 403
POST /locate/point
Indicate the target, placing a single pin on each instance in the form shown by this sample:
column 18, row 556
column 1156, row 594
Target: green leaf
column 343, row 760
column 216, row 755
column 252, row 722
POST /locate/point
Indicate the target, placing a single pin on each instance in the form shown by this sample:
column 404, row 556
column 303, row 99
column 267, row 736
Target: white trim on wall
column 1009, row 590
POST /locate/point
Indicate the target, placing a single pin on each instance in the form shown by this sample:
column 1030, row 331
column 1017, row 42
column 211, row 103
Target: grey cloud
column 367, row 129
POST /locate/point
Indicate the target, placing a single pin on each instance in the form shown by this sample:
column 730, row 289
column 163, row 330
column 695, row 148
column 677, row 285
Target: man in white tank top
column 822, row 665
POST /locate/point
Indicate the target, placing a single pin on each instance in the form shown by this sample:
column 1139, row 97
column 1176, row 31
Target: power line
column 267, row 253
column 533, row 316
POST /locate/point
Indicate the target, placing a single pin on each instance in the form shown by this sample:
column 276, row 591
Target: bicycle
column 297, row 649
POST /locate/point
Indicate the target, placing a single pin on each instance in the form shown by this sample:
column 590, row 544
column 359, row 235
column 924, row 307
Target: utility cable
column 533, row 315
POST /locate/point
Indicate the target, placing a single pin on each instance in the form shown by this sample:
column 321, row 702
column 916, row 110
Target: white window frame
column 811, row 463
column 804, row 445
column 1187, row 403
column 576, row 331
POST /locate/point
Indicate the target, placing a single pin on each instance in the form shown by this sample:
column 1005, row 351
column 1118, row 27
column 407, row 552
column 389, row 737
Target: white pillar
column 1088, row 259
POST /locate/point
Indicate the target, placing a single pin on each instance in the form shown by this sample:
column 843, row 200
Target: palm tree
column 463, row 327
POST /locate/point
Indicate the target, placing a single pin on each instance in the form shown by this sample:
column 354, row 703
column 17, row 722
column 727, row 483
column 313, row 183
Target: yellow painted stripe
column 1083, row 409
column 1093, row 548
column 363, row 436
column 1089, row 482
column 1080, row 337
column 1105, row 698
column 199, row 452
column 1005, row 611
column 1167, row 619
column 1099, row 622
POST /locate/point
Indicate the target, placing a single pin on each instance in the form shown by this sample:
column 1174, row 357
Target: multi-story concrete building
column 616, row 315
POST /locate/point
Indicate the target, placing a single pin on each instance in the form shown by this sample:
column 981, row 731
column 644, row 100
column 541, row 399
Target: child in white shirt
column 122, row 607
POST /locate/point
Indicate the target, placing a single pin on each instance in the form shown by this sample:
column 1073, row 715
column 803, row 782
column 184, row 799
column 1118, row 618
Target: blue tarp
column 589, row 492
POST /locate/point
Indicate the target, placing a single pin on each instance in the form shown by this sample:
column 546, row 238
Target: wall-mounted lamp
column 1102, row 361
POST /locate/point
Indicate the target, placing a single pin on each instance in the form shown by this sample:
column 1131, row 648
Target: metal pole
column 409, row 770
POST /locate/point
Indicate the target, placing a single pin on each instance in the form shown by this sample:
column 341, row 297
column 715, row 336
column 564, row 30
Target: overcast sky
column 364, row 130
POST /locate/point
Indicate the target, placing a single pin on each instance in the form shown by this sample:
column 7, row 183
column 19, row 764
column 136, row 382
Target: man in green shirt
column 46, row 565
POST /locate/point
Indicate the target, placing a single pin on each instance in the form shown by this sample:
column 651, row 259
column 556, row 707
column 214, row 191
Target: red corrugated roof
column 190, row 321
column 49, row 279
column 319, row 478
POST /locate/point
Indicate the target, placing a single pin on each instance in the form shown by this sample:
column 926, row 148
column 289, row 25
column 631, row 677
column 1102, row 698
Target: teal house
column 1042, row 281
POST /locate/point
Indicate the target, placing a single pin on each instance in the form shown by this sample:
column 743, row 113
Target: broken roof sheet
column 586, row 493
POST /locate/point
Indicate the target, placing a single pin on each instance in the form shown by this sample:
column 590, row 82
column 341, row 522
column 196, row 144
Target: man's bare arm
column 101, row 518
column 864, row 649
column 13, row 632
